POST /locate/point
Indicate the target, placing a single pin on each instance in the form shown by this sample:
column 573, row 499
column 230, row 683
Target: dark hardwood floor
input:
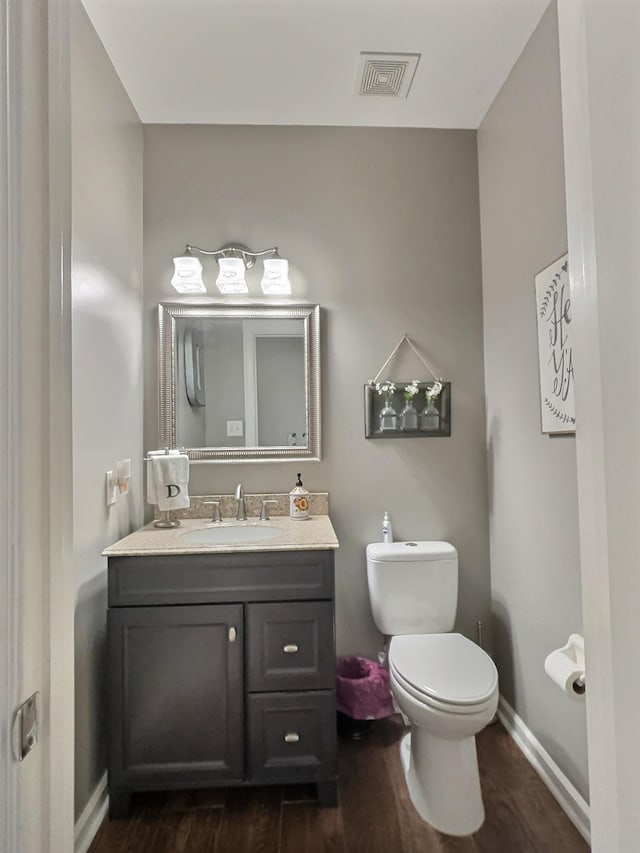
column 375, row 814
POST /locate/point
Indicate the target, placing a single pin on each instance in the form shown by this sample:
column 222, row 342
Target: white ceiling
column 294, row 62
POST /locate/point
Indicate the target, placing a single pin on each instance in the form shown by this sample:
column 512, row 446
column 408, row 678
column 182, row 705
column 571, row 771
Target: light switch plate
column 111, row 488
column 234, row 428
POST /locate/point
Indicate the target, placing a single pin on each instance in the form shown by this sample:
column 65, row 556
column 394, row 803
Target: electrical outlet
column 234, row 428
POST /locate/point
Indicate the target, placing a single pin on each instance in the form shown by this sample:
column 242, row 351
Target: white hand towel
column 171, row 474
column 152, row 491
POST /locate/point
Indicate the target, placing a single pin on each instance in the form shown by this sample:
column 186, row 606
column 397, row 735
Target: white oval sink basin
column 231, row 534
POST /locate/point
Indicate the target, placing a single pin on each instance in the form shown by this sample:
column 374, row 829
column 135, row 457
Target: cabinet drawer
column 220, row 578
column 290, row 646
column 291, row 736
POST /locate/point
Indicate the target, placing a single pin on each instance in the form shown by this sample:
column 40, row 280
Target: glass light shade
column 231, row 276
column 275, row 281
column 187, row 276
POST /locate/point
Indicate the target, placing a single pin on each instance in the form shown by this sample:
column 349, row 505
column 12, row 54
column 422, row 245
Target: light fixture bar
column 233, row 260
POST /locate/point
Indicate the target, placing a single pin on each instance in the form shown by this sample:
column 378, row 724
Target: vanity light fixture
column 233, row 261
column 275, row 280
column 187, row 276
column 231, row 276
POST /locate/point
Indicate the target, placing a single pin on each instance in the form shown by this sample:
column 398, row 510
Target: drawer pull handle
column 290, row 649
column 232, row 634
column 292, row 737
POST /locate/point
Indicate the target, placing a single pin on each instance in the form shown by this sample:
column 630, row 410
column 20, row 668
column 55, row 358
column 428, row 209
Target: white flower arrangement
column 386, row 388
column 434, row 392
column 412, row 389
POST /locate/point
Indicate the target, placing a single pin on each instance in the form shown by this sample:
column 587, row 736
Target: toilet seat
column 446, row 671
column 446, row 708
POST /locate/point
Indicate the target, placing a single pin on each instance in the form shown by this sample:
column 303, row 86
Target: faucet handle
column 264, row 512
column 239, row 492
column 216, row 509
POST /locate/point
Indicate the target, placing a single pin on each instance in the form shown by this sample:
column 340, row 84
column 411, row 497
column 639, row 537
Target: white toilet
column 446, row 685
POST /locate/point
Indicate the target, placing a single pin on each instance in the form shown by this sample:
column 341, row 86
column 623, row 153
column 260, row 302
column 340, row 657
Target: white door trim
column 589, row 435
column 61, row 583
column 10, row 432
column 604, row 699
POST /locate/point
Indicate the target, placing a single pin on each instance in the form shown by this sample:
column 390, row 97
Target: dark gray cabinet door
column 176, row 695
column 290, row 646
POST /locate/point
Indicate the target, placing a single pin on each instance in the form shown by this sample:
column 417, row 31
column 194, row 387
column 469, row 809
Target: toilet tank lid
column 411, row 550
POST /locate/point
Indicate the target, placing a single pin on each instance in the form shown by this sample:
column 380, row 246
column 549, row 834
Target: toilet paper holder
column 566, row 667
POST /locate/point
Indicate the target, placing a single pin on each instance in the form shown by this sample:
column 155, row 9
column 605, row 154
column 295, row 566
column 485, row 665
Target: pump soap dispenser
column 299, row 501
column 387, row 529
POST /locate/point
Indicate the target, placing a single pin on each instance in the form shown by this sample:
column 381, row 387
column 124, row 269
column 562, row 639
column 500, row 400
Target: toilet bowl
column 445, row 685
column 448, row 689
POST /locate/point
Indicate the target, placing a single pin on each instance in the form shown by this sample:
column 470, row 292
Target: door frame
column 36, row 578
column 251, row 331
column 595, row 39
column 10, row 432
column 60, row 582
column 58, row 786
column 594, row 562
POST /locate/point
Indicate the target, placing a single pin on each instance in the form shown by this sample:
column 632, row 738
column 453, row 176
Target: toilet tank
column 413, row 586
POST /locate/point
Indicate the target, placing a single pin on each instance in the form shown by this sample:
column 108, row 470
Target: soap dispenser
column 387, row 529
column 299, row 501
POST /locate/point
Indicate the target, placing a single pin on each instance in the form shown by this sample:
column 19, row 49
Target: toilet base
column 443, row 781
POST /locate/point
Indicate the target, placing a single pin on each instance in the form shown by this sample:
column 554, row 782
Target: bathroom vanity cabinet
column 221, row 671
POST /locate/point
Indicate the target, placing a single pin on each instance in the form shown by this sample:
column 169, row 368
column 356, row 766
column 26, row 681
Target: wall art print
column 555, row 352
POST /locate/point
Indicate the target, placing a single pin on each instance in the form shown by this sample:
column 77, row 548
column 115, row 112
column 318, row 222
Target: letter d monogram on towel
column 173, row 490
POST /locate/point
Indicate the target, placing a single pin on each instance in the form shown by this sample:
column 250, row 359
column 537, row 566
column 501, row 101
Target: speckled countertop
column 315, row 533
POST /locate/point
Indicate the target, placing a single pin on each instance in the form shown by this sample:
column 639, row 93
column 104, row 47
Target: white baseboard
column 92, row 816
column 570, row 800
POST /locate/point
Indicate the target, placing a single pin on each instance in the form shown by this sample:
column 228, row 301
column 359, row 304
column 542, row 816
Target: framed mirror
column 240, row 382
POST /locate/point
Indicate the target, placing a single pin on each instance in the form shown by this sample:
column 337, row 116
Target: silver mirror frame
column 169, row 312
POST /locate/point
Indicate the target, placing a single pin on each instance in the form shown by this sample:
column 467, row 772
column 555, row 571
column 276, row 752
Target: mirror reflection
column 239, row 383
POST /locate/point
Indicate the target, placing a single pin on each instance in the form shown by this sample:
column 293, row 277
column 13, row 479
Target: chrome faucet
column 241, row 514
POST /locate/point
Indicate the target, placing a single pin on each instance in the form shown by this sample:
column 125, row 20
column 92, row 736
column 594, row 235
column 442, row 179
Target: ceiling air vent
column 388, row 74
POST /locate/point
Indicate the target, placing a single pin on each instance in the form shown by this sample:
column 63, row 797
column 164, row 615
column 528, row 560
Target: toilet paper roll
column 562, row 670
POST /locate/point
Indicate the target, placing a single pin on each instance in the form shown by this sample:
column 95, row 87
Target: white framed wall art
column 555, row 351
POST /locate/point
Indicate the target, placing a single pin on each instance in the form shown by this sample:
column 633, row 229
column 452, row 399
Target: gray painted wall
column 381, row 228
column 224, row 381
column 535, row 569
column 106, row 362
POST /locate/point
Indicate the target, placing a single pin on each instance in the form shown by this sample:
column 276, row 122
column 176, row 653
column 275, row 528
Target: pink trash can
column 362, row 694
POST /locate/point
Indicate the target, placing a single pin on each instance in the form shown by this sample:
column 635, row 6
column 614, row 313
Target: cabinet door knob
column 291, row 737
column 290, row 649
column 232, row 634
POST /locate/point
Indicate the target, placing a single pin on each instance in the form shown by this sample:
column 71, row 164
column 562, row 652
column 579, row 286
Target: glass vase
column 408, row 417
column 429, row 418
column 388, row 417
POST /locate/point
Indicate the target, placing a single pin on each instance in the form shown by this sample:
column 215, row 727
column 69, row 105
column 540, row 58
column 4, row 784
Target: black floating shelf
column 374, row 403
